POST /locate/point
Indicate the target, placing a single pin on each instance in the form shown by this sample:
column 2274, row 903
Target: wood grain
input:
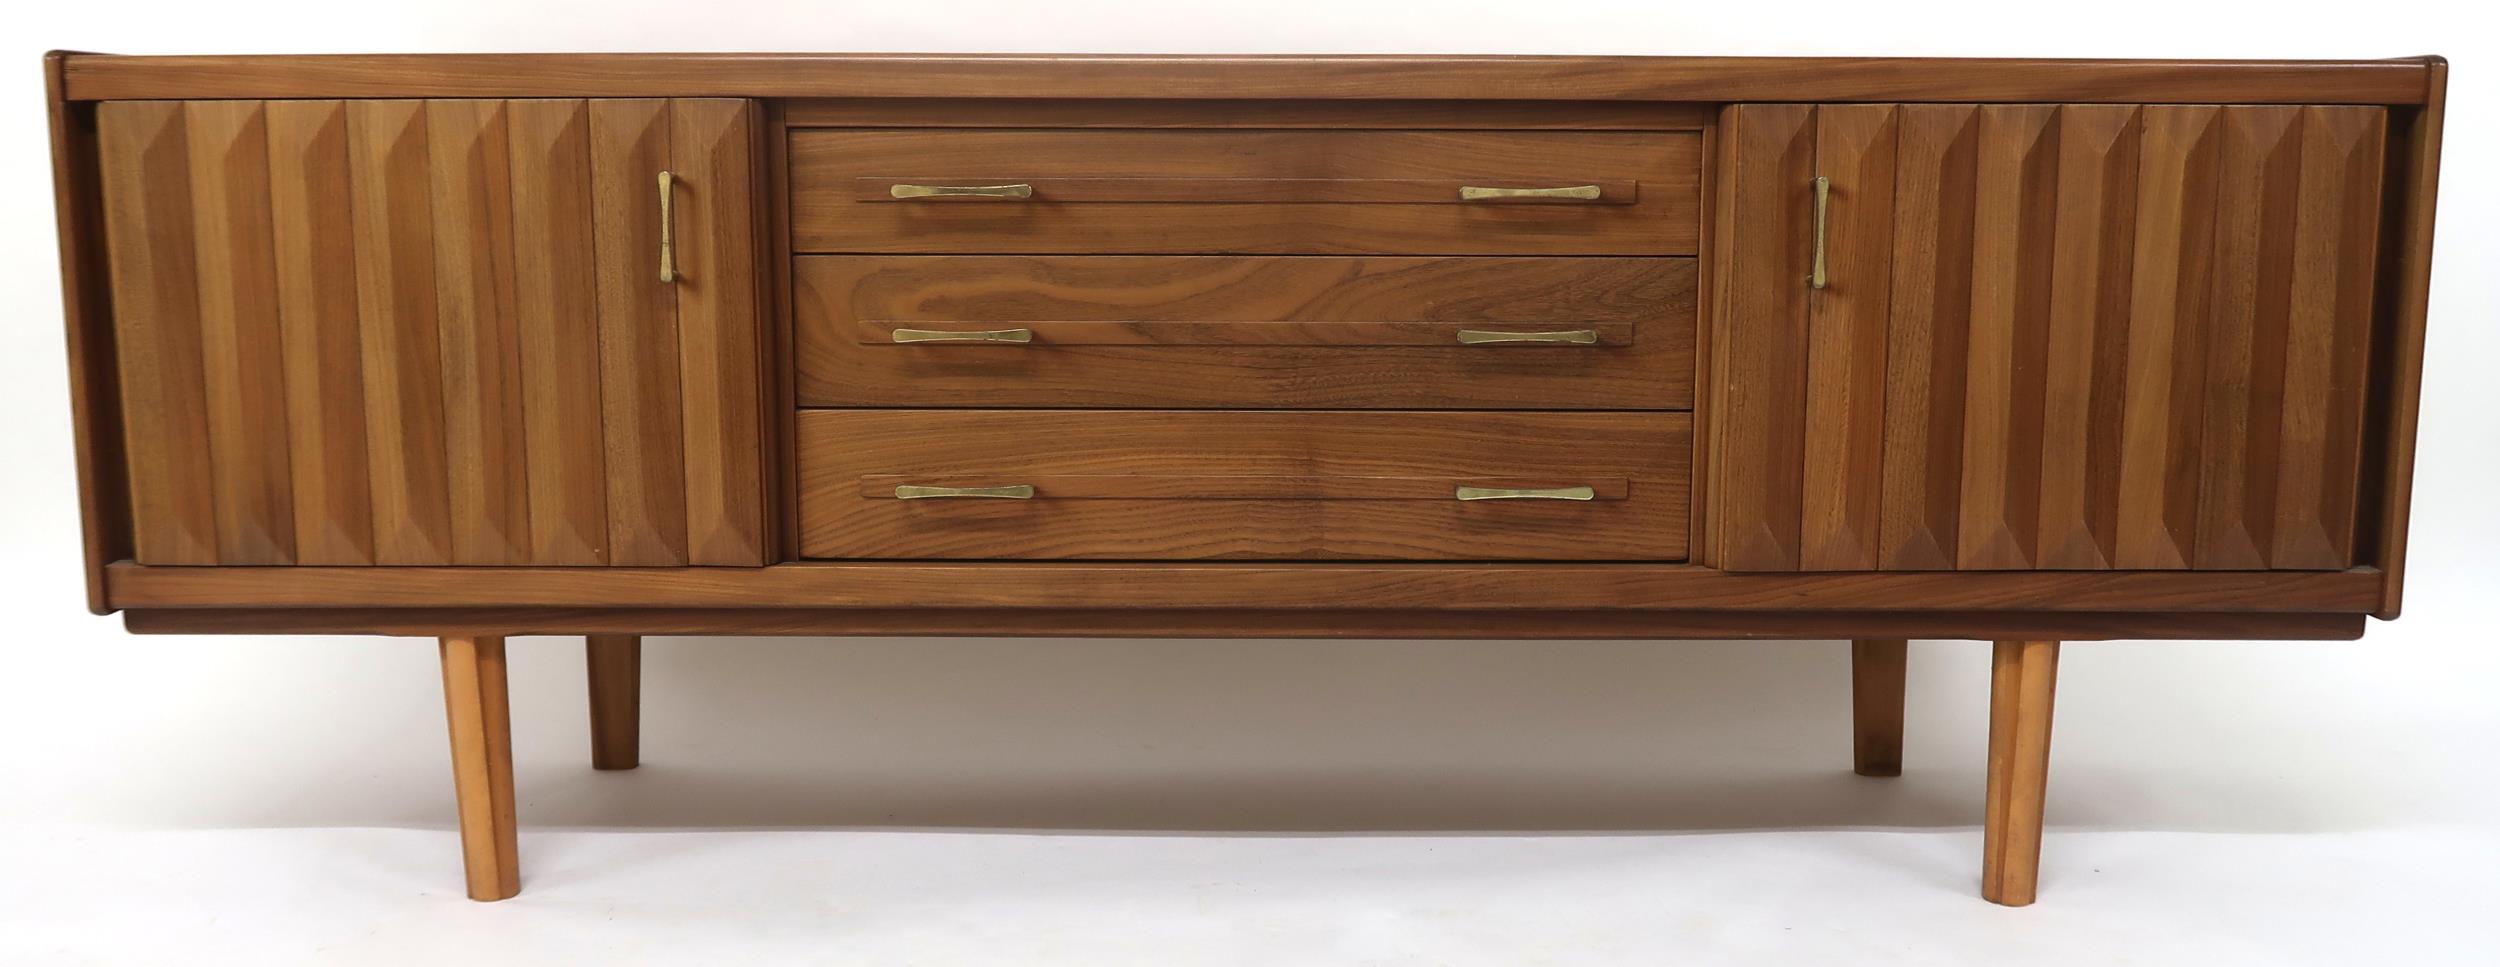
column 838, row 447
column 1926, row 357
column 2327, row 338
column 479, row 708
column 2021, row 706
column 1758, row 433
column 2083, row 412
column 393, row 219
column 1299, row 76
column 1841, row 508
column 639, row 385
column 87, row 311
column 1466, row 587
column 614, row 669
column 242, row 350
column 718, row 329
column 1878, row 676
column 2254, row 231
column 556, row 300
column 827, row 215
column 1221, row 331
column 476, row 281
column 2178, row 185
column 2404, row 300
column 315, row 249
column 2011, row 269
column 156, row 314
column 1435, row 115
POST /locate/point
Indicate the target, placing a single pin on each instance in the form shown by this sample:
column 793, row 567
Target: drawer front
column 1260, row 191
column 1250, row 486
column 1245, row 331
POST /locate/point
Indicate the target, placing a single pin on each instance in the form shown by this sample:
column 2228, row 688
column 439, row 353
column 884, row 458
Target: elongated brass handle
column 1017, row 492
column 943, row 335
column 1581, row 192
column 1508, row 493
column 1482, row 337
column 1822, row 227
column 668, row 226
column 966, row 191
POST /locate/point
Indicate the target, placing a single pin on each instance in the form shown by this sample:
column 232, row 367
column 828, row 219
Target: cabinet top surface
column 91, row 77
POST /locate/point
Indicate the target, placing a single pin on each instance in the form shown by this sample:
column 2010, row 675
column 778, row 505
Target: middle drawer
column 1245, row 331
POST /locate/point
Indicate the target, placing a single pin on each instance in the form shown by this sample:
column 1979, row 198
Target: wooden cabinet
column 1452, row 347
column 435, row 331
column 2057, row 336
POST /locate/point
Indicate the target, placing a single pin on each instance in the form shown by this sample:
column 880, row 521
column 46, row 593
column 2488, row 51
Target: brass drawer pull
column 1017, row 492
column 942, row 335
column 962, row 191
column 1507, row 493
column 1822, row 226
column 668, row 226
column 1484, row 337
column 1580, row 192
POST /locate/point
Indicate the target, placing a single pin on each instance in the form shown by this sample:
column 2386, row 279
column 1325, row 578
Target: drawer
column 1174, row 485
column 1246, row 331
column 1250, row 191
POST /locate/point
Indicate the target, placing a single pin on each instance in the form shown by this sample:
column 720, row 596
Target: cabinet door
column 435, row 332
column 2047, row 336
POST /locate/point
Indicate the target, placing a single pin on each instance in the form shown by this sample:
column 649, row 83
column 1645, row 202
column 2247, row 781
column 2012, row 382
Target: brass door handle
column 1581, row 192
column 1482, row 337
column 1508, row 493
column 961, row 191
column 1822, row 227
column 1017, row 492
column 943, row 335
column 668, row 226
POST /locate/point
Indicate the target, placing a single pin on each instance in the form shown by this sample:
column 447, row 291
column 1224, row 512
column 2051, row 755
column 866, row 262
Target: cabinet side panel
column 2252, row 295
column 485, row 435
column 558, row 307
column 1926, row 358
column 1760, row 397
column 309, row 202
column 2327, row 343
column 241, row 346
column 147, row 211
column 2402, row 314
column 2178, row 185
column 2010, row 273
column 1842, row 499
column 392, row 213
column 2084, row 412
column 638, row 342
column 711, row 151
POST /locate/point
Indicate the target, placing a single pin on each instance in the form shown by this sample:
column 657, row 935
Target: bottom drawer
column 1164, row 485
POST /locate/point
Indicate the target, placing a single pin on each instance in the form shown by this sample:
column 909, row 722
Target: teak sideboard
column 470, row 346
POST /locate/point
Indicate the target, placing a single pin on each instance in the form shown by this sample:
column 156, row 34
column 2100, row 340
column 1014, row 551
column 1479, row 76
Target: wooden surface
column 86, row 306
column 2404, row 297
column 1429, row 115
column 2022, row 702
column 1357, row 625
column 1229, row 585
column 1330, row 77
column 1232, row 331
column 613, row 665
column 1157, row 513
column 480, row 712
column 1285, row 191
column 380, row 332
column 1878, row 678
column 2106, row 337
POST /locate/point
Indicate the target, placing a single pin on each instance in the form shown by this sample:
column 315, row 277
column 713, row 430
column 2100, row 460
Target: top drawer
column 1253, row 191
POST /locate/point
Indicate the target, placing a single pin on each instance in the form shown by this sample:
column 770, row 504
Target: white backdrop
column 100, row 730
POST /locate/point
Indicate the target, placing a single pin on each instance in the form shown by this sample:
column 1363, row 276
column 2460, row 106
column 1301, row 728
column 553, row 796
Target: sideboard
column 471, row 346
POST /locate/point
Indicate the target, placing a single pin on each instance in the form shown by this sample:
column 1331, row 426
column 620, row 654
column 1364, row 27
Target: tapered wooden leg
column 1879, row 672
column 2022, row 701
column 615, row 701
column 480, row 710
